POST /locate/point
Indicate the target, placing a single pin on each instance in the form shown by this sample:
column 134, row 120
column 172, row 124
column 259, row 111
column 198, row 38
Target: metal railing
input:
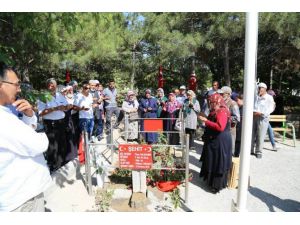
column 184, row 146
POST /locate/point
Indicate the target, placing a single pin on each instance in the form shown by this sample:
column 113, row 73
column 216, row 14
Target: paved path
column 274, row 186
column 274, row 183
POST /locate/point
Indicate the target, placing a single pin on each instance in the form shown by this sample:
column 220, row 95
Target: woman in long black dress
column 216, row 156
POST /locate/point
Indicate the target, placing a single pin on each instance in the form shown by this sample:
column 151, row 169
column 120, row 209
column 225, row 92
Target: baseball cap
column 182, row 87
column 262, row 85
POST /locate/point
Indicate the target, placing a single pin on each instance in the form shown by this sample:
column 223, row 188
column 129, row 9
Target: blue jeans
column 271, row 135
column 99, row 127
column 86, row 124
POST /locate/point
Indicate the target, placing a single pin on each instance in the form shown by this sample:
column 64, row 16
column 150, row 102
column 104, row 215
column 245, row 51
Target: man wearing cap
column 234, row 111
column 182, row 95
column 263, row 106
column 74, row 85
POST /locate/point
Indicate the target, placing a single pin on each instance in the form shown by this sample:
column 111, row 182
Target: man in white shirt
column 24, row 175
column 53, row 115
column 84, row 103
column 263, row 107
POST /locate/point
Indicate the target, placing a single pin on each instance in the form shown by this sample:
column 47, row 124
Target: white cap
column 226, row 89
column 93, row 82
column 262, row 85
column 182, row 87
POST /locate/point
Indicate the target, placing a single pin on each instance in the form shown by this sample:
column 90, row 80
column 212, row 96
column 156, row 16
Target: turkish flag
column 68, row 76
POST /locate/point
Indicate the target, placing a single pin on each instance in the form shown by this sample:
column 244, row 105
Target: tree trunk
column 226, row 64
column 271, row 79
column 280, row 80
column 133, row 68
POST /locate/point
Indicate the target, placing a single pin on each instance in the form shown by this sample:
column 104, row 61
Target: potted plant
column 169, row 179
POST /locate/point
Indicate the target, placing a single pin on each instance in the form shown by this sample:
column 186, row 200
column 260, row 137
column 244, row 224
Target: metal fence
column 92, row 152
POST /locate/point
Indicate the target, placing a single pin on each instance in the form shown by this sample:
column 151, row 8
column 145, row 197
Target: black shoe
column 215, row 190
column 258, row 156
column 252, row 153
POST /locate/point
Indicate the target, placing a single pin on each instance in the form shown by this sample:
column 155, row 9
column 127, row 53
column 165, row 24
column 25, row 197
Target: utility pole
column 249, row 87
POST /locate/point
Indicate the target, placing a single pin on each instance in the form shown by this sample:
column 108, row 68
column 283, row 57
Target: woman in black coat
column 216, row 156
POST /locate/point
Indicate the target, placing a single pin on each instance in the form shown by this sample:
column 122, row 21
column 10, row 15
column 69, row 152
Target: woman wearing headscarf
column 161, row 100
column 216, row 156
column 191, row 108
column 130, row 106
column 148, row 109
column 172, row 108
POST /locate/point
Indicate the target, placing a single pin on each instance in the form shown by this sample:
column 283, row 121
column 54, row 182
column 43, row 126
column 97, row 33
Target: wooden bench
column 285, row 126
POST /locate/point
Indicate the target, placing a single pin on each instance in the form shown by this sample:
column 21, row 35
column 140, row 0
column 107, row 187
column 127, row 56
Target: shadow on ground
column 272, row 201
column 60, row 177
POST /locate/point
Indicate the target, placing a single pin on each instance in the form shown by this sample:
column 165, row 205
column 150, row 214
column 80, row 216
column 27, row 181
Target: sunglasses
column 86, row 88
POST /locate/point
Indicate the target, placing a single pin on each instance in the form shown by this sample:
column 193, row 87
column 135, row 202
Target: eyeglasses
column 17, row 84
column 86, row 88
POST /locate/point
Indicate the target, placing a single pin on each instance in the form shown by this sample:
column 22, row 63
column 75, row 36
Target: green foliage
column 103, row 199
column 33, row 95
column 131, row 46
column 121, row 176
column 175, row 198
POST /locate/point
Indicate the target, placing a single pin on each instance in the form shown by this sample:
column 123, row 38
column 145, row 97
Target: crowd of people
column 89, row 107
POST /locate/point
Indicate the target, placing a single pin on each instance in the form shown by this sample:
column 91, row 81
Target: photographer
column 191, row 108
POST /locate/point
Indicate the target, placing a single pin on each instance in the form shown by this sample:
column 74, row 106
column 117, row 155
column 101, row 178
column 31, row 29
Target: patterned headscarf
column 172, row 106
column 217, row 100
column 187, row 109
column 162, row 91
column 129, row 93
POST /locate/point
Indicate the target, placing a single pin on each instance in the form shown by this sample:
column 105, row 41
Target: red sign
column 135, row 157
column 153, row 125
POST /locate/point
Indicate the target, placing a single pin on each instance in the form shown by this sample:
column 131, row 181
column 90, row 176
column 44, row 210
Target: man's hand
column 257, row 113
column 23, row 106
column 70, row 106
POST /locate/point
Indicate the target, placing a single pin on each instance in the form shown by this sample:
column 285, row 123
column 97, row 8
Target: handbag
column 178, row 125
column 133, row 116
